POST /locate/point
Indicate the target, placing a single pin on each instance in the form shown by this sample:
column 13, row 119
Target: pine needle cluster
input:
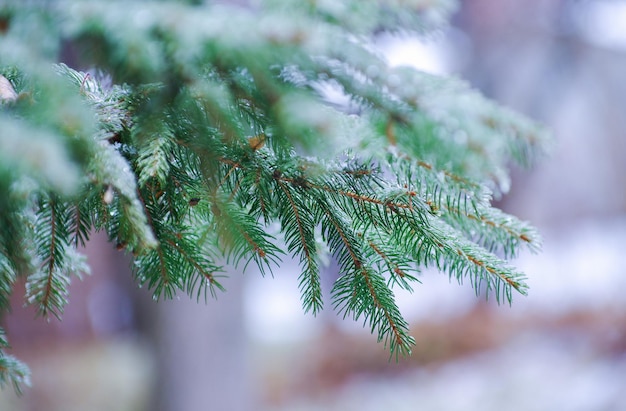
column 204, row 131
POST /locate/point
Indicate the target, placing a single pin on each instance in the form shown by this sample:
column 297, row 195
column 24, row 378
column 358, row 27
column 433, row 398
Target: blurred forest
column 559, row 61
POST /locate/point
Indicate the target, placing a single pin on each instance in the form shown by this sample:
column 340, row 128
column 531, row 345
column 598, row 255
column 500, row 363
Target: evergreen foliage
column 204, row 131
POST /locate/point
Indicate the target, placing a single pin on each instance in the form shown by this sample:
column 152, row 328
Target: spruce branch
column 47, row 287
column 204, row 274
column 42, row 156
column 495, row 231
column 7, row 280
column 361, row 292
column 241, row 237
column 197, row 137
column 466, row 206
column 81, row 218
column 297, row 224
column 12, row 371
column 127, row 221
column 156, row 147
column 438, row 244
column 389, row 260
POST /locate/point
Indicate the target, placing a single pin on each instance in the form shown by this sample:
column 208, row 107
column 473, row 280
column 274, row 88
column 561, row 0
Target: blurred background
column 563, row 347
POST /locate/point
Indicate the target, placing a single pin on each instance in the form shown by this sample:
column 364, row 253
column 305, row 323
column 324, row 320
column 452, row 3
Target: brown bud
column 257, row 142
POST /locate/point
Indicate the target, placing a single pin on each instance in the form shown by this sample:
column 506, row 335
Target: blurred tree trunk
column 202, row 352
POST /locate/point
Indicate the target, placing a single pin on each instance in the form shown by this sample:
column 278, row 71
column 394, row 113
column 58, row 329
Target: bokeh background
column 562, row 62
